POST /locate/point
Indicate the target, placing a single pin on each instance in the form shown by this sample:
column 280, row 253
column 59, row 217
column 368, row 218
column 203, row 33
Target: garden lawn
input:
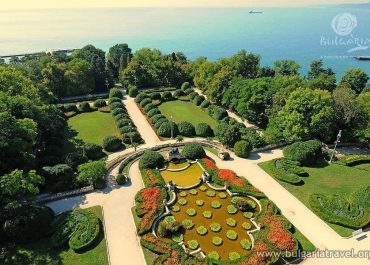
column 186, row 111
column 326, row 179
column 40, row 252
column 93, row 127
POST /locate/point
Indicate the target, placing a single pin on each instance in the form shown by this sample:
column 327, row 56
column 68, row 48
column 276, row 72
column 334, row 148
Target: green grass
column 303, row 241
column 186, row 111
column 148, row 255
column 40, row 252
column 326, row 179
column 93, row 127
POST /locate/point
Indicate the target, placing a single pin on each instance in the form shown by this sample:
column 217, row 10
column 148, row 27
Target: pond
column 184, row 178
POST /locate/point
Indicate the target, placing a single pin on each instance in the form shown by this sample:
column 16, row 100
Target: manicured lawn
column 40, row 252
column 92, row 127
column 326, row 179
column 186, row 111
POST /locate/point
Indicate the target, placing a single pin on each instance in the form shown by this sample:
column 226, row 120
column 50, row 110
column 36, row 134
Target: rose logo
column 343, row 24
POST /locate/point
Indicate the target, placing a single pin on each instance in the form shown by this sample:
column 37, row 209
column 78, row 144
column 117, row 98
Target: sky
column 38, row 4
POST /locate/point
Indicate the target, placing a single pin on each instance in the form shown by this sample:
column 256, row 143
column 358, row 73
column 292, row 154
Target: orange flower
column 230, row 177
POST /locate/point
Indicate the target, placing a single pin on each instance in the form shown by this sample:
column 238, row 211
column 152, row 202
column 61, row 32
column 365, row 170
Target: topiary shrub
column 189, row 91
column 100, row 103
column 216, row 204
column 182, row 201
column 246, row 225
column 84, row 107
column 126, row 129
column 306, row 153
column 140, row 97
column 133, row 91
column 153, row 112
column 199, row 202
column 155, row 96
column 116, row 93
column 133, row 136
column 116, row 105
column 114, row 100
column 167, row 95
column 192, row 95
column 193, row 192
column 243, row 148
column 203, row 130
column 75, row 159
column 198, row 100
column 124, row 123
column 151, row 159
column 186, row 129
column 121, row 179
column 118, row 111
column 193, row 151
column 93, row 151
column 112, row 144
column 149, row 107
column 175, row 208
column 145, row 102
column 121, row 116
column 210, row 193
column 205, row 104
column 217, row 112
column 157, row 117
column 169, row 227
column 165, row 129
column 185, row 85
column 178, row 93
column 248, row 215
column 70, row 108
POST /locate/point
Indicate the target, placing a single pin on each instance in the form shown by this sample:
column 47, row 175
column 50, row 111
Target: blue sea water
column 301, row 34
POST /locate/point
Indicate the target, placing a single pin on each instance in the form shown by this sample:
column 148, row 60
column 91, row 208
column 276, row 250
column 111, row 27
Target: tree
column 220, row 82
column 151, row 159
column 317, row 68
column 243, row 148
column 91, row 172
column 54, row 79
column 356, row 79
column 79, row 78
column 322, row 81
column 286, row 67
column 227, row 134
column 363, row 132
column 118, row 59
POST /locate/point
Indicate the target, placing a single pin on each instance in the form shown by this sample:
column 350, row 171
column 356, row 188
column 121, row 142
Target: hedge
column 134, row 136
column 116, row 93
column 114, row 100
column 99, row 103
column 93, row 151
column 203, row 130
column 186, row 129
column 112, row 144
column 133, row 91
column 243, row 148
column 152, row 177
column 306, row 153
column 118, row 111
column 167, row 95
column 353, row 160
column 123, row 122
column 116, row 105
column 217, row 112
column 337, row 210
column 153, row 112
column 192, row 95
column 155, row 96
column 283, row 175
column 149, row 107
column 166, row 127
column 189, row 91
column 291, row 166
column 205, row 104
column 70, row 108
column 179, row 93
column 193, row 151
column 140, row 97
column 121, row 116
column 157, row 117
column 160, row 122
column 84, row 107
column 126, row 129
column 198, row 100
column 121, row 179
column 151, row 159
column 145, row 102
column 185, row 85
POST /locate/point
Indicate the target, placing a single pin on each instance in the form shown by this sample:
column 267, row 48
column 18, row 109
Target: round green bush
column 151, row 159
column 115, row 93
column 234, row 256
column 193, row 244
column 100, row 103
column 207, row 214
column 70, row 108
column 116, row 105
column 84, row 107
column 183, row 201
column 203, row 130
column 153, row 112
column 188, row 91
column 248, row 215
column 149, row 107
column 166, row 127
column 203, row 188
column 193, row 192
column 121, row 179
column 216, row 204
column 133, row 91
column 118, row 111
column 243, row 148
column 167, row 95
column 93, row 151
column 114, row 100
column 231, row 234
column 175, row 208
column 183, row 194
column 186, row 129
column 155, row 96
column 178, row 93
column 192, row 95
column 211, row 193
column 157, row 117
column 145, row 102
column 217, row 112
column 170, row 218
column 191, row 212
column 178, row 238
column 198, row 100
column 217, row 241
column 201, row 230
column 215, row 227
column 205, row 104
column 222, row 195
column 213, row 255
column 140, row 97
column 231, row 209
column 112, row 144
column 199, row 202
column 246, row 225
column 121, row 116
column 134, row 136
column 160, row 122
column 126, row 129
column 123, row 123
column 185, row 85
column 306, row 153
column 231, row 222
column 193, row 151
column 188, row 224
column 246, row 244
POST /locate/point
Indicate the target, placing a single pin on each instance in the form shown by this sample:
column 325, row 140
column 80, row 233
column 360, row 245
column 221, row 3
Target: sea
column 334, row 34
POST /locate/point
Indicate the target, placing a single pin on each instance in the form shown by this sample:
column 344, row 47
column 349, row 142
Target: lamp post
column 171, row 127
column 335, row 146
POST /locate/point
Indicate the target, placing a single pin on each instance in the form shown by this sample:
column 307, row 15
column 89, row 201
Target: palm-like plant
column 179, row 139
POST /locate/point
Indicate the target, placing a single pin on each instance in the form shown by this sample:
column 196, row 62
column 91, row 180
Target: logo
column 343, row 24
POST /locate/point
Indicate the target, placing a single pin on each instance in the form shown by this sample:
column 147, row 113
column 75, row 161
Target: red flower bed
column 277, row 234
column 260, row 254
column 209, row 163
column 230, row 177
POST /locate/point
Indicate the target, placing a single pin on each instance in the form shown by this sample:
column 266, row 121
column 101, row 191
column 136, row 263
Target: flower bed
column 152, row 177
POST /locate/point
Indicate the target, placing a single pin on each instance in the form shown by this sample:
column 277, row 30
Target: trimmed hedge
column 243, row 148
column 283, row 175
column 159, row 123
column 198, row 100
column 189, row 91
column 145, row 102
column 133, row 91
column 112, row 144
column 192, row 95
column 353, row 160
column 193, row 151
column 84, row 107
column 166, row 127
column 115, row 93
column 203, row 130
column 114, row 100
column 185, row 85
column 99, row 103
column 167, row 95
column 152, row 177
column 205, row 104
column 134, row 135
column 179, row 93
column 217, row 112
column 186, row 129
column 157, row 117
column 149, row 107
column 118, row 111
column 153, row 112
column 70, row 108
column 124, row 122
column 140, row 97
column 306, row 153
column 93, row 151
column 155, row 96
column 151, row 159
column 116, row 105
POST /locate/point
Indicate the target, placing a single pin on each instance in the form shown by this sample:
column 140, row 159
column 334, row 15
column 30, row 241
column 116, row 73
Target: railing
column 62, row 195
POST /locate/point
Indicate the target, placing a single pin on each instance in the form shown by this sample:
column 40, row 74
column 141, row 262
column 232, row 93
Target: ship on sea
column 362, row 58
column 255, row 12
